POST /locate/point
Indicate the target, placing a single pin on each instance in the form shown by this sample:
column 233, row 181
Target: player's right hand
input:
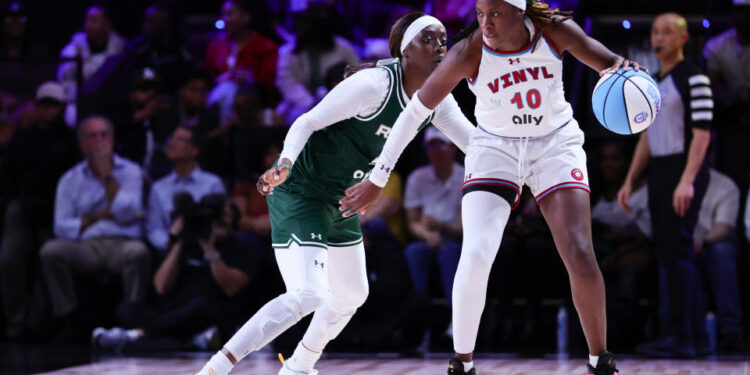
column 359, row 198
column 273, row 177
column 623, row 196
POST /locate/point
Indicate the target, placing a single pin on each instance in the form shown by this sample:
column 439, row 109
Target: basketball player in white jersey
column 526, row 134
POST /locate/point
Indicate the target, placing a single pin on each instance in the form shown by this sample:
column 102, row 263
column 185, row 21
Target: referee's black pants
column 673, row 244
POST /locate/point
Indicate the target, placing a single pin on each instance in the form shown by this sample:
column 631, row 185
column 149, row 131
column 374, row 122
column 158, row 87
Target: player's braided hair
column 537, row 10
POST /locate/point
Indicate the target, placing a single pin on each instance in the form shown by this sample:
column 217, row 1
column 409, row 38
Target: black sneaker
column 456, row 367
column 605, row 366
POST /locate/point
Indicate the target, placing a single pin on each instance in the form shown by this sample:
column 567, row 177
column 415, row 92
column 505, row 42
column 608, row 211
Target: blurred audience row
column 128, row 190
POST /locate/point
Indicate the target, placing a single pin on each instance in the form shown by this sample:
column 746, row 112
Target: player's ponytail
column 541, row 12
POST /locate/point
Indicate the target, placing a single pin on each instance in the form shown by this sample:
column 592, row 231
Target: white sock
column 593, row 360
column 303, row 358
column 468, row 365
column 219, row 364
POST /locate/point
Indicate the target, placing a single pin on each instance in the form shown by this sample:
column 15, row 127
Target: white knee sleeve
column 484, row 216
column 347, row 278
column 304, row 270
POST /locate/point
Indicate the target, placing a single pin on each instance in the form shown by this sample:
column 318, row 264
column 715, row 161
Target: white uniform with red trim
column 526, row 131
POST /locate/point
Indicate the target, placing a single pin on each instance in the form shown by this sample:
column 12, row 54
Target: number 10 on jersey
column 533, row 99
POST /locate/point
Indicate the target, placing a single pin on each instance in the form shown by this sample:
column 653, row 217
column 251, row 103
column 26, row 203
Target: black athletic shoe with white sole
column 456, row 367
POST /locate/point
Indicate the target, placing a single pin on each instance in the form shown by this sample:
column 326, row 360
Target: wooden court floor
column 185, row 366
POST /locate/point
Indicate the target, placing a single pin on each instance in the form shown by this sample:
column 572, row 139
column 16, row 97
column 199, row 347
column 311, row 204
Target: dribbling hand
column 273, row 177
column 623, row 64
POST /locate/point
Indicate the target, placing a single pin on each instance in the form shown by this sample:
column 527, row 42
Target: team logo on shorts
column 577, row 174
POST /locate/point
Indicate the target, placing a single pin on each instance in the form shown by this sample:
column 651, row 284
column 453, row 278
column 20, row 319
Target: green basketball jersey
column 342, row 154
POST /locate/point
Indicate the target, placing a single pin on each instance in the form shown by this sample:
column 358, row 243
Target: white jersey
column 520, row 93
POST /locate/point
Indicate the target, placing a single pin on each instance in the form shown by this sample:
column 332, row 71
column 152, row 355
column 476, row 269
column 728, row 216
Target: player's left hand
column 359, row 198
column 623, row 64
column 683, row 195
column 273, row 177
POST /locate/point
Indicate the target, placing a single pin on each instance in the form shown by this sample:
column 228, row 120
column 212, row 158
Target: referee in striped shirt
column 674, row 149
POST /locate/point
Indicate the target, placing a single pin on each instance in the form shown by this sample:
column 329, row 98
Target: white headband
column 520, row 4
column 417, row 26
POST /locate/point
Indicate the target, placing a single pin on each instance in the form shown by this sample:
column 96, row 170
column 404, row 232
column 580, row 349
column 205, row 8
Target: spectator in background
column 621, row 240
column 158, row 49
column 728, row 64
column 432, row 200
column 385, row 220
column 16, row 42
column 674, row 149
column 245, row 134
column 35, row 159
column 717, row 255
column 242, row 54
column 142, row 131
column 190, row 109
column 199, row 283
column 94, row 46
column 254, row 224
column 183, row 149
column 302, row 65
column 98, row 211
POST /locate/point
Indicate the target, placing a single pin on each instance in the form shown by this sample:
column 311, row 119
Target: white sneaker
column 286, row 370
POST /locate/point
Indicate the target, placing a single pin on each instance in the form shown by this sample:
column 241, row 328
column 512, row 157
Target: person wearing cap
column 36, row 157
column 320, row 253
column 142, row 134
column 511, row 56
column 727, row 58
column 432, row 200
column 15, row 39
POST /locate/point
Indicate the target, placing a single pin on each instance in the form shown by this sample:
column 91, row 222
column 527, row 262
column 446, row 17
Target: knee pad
column 303, row 302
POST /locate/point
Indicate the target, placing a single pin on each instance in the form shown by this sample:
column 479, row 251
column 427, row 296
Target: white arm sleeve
column 452, row 122
column 359, row 95
column 403, row 131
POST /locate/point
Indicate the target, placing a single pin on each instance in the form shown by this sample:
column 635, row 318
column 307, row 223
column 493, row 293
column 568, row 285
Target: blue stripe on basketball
column 600, row 97
column 615, row 113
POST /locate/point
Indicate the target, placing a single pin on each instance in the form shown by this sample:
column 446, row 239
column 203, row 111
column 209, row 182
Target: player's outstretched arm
column 569, row 36
column 460, row 62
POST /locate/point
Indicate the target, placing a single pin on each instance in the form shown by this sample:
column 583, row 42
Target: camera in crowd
column 198, row 217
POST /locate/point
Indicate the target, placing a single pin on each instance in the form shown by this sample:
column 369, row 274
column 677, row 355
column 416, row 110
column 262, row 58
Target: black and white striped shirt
column 687, row 103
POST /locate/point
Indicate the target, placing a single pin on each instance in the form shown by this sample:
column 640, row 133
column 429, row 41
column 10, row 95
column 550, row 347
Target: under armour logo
column 383, row 168
column 316, row 236
column 468, row 177
column 321, row 264
column 516, row 60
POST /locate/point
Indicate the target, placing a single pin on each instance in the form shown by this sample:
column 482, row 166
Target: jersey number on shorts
column 533, row 99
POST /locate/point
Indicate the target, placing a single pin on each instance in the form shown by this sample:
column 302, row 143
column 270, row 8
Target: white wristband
column 404, row 130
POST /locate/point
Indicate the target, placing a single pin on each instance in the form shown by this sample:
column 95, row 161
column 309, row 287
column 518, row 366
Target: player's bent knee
column 303, row 301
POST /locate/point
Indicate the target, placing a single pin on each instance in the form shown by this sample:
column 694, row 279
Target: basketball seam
column 650, row 108
column 625, row 104
column 606, row 97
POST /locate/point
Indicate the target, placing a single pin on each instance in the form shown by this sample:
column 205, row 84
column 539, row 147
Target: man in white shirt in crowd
column 432, row 200
column 717, row 255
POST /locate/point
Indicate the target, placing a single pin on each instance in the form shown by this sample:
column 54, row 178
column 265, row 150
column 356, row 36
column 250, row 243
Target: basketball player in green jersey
column 327, row 150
